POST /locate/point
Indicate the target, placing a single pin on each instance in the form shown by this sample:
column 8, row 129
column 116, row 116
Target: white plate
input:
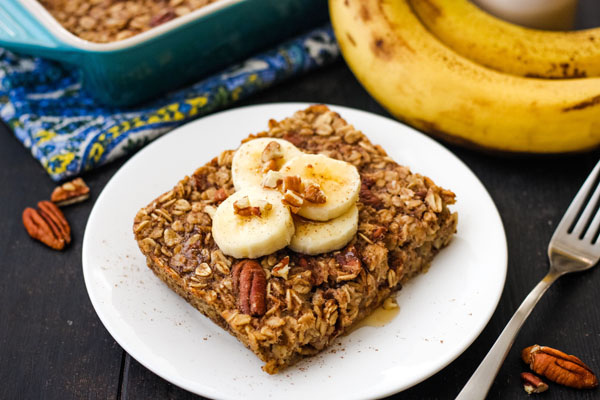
column 441, row 312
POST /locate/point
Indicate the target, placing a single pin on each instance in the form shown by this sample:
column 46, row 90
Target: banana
column 337, row 180
column 423, row 82
column 312, row 237
column 249, row 161
column 507, row 47
column 252, row 223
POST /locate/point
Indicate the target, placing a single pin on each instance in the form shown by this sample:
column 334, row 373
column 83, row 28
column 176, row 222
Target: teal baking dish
column 168, row 56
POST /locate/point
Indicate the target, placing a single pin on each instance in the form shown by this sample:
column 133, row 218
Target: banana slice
column 313, row 237
column 338, row 180
column 251, row 223
column 250, row 160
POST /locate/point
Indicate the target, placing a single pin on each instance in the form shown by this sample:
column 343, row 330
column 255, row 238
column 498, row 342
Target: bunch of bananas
column 453, row 71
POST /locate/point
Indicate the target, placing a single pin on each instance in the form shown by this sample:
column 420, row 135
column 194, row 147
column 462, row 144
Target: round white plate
column 441, row 312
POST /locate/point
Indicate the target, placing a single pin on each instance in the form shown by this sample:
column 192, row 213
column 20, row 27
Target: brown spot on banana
column 364, row 13
column 350, row 39
column 381, row 49
column 593, row 101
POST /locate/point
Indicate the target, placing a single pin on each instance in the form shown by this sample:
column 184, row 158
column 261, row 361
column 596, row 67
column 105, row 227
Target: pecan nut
column 314, row 194
column 293, row 183
column 378, row 232
column 282, row 268
column 532, row 383
column 349, row 264
column 48, row 225
column 367, row 197
column 271, row 152
column 162, row 17
column 272, row 179
column 243, row 208
column 70, row 193
column 250, row 285
column 559, row 367
column 220, row 195
column 293, row 201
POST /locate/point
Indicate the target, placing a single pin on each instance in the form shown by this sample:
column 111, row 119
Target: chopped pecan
column 271, row 152
column 270, row 165
column 559, row 367
column 367, row 180
column 292, row 200
column 48, row 225
column 272, row 179
column 241, row 203
column 243, row 208
column 293, row 183
column 220, row 195
column 282, row 268
column 349, row 264
column 164, row 16
column 532, row 383
column 367, row 197
column 263, row 206
column 70, row 192
column 314, row 194
column 248, row 212
column 250, row 285
column 378, row 232
column 295, row 139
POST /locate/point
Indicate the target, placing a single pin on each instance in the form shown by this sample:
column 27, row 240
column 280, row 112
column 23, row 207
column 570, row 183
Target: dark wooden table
column 53, row 346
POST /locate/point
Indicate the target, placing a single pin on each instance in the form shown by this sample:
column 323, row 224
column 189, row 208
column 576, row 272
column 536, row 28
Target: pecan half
column 70, row 193
column 559, row 367
column 250, row 285
column 48, row 225
column 532, row 383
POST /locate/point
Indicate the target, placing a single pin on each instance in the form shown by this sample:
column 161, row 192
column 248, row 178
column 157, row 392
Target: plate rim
column 208, row 391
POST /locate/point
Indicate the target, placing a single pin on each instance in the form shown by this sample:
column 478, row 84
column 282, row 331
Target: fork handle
column 478, row 386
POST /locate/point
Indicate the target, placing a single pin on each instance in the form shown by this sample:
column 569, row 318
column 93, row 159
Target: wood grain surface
column 53, row 346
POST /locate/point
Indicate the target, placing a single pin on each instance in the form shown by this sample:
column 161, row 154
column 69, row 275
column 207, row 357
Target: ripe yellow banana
column 507, row 47
column 423, row 82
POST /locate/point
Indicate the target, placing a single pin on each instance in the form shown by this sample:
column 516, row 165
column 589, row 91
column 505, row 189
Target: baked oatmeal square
column 285, row 305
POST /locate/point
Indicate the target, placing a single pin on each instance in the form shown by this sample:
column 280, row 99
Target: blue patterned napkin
column 68, row 132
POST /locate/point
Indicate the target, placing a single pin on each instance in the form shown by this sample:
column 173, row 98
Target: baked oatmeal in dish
column 295, row 237
column 103, row 21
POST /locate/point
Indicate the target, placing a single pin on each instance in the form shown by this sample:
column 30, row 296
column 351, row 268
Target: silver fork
column 573, row 247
